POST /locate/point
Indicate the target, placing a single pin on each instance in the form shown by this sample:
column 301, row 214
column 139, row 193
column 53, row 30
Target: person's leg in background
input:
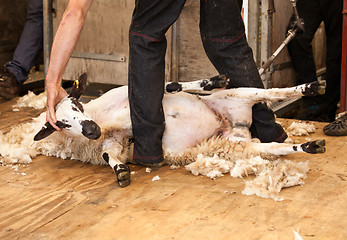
column 319, row 108
column 147, row 42
column 332, row 17
column 300, row 47
column 26, row 53
column 301, row 54
column 333, row 22
column 223, row 36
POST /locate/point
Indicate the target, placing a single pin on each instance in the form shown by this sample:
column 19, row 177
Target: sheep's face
column 71, row 117
column 73, row 120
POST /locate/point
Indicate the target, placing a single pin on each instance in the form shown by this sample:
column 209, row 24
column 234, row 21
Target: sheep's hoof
column 124, row 183
column 219, row 81
column 174, row 87
column 317, row 146
column 315, row 88
column 123, row 174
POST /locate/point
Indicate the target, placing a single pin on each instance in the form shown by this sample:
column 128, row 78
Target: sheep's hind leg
column 313, row 147
column 275, row 94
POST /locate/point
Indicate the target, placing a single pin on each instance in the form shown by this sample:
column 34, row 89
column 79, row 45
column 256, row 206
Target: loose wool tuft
column 32, row 100
column 301, row 129
column 271, row 176
column 211, row 167
column 277, row 175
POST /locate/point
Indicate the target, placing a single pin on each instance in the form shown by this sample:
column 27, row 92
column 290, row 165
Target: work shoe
column 9, row 86
column 337, row 127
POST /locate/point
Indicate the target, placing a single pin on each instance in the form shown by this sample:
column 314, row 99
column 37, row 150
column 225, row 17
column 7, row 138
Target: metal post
column 265, row 38
column 174, row 58
column 47, row 32
column 343, row 99
column 253, row 29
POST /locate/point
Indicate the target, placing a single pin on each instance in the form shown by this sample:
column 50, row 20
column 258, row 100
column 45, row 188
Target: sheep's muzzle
column 90, row 129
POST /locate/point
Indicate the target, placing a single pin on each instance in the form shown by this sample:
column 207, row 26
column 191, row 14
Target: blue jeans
column 30, row 44
column 223, row 36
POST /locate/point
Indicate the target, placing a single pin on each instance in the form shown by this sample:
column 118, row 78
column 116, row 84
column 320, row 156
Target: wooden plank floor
column 53, row 198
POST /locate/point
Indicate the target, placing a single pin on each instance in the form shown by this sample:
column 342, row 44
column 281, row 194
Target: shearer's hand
column 54, row 95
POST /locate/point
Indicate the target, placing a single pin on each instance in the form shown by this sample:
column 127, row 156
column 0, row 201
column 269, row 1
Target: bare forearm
column 66, row 38
column 63, row 45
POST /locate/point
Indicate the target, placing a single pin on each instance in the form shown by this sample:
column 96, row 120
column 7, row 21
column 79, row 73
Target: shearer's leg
column 147, row 46
column 320, row 108
column 223, row 36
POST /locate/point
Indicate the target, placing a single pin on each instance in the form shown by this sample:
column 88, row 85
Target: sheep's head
column 71, row 117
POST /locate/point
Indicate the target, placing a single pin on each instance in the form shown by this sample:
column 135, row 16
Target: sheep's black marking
column 76, row 103
column 173, row 87
column 295, row 148
column 106, row 157
column 63, row 124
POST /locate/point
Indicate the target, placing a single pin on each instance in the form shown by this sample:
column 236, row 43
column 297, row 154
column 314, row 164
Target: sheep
column 216, row 124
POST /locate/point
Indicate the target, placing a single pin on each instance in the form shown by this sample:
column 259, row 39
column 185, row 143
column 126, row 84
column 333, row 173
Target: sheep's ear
column 47, row 130
column 79, row 86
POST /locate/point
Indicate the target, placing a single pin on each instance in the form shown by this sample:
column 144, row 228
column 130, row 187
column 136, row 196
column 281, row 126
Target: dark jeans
column 300, row 49
column 224, row 41
column 30, row 44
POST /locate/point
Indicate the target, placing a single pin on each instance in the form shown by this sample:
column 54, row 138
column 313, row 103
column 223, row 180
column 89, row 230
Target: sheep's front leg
column 115, row 154
column 317, row 146
column 207, row 84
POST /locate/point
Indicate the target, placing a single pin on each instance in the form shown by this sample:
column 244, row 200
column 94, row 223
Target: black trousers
column 300, row 49
column 223, row 36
